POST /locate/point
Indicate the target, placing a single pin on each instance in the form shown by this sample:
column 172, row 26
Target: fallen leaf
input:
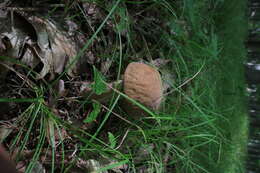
column 55, row 47
column 45, row 42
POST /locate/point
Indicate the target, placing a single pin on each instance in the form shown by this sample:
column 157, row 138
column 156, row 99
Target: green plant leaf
column 123, row 22
column 99, row 86
column 93, row 115
column 112, row 140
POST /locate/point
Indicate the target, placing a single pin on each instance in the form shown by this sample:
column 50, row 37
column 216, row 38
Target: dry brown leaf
column 56, row 48
column 29, row 58
column 52, row 46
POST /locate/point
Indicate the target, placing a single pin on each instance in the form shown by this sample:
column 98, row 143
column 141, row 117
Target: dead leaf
column 15, row 41
column 29, row 58
column 55, row 46
column 52, row 46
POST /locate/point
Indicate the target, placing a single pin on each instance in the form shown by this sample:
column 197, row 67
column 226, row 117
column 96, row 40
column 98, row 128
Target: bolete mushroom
column 143, row 83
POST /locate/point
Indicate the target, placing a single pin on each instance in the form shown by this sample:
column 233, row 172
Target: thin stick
column 184, row 83
column 123, row 139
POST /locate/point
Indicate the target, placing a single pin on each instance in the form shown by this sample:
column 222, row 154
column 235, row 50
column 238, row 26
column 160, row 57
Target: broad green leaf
column 123, row 22
column 93, row 115
column 99, row 86
column 112, row 140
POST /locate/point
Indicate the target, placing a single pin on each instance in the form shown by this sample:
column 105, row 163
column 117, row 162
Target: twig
column 123, row 139
column 70, row 98
column 74, row 152
column 184, row 83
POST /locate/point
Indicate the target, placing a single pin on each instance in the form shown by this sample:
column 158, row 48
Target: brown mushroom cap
column 143, row 83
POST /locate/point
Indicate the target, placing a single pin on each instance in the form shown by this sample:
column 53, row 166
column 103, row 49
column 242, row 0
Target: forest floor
column 63, row 102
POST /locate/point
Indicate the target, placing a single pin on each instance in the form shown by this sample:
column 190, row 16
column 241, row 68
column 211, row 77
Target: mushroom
column 143, row 83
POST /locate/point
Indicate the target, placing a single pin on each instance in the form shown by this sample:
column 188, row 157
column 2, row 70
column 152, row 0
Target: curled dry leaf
column 46, row 43
column 12, row 44
column 29, row 58
column 56, row 48
column 143, row 84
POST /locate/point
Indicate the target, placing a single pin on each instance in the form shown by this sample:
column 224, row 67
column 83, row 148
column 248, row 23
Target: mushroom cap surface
column 143, row 83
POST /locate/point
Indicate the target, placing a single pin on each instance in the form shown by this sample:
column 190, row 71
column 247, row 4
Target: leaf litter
column 52, row 47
